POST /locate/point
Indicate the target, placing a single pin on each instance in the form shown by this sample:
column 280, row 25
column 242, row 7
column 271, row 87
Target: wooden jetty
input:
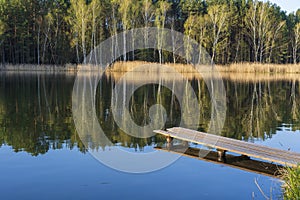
column 223, row 145
column 238, row 162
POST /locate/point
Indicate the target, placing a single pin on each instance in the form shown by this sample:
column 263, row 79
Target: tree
column 251, row 23
column 124, row 9
column 57, row 32
column 196, row 27
column 217, row 15
column 148, row 11
column 192, row 7
column 2, row 30
column 113, row 27
column 79, row 16
column 257, row 23
column 263, row 27
column 160, row 20
column 275, row 34
column 135, row 15
column 95, row 8
column 63, row 31
column 296, row 42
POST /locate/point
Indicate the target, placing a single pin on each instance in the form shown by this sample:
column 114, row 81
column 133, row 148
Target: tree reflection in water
column 36, row 110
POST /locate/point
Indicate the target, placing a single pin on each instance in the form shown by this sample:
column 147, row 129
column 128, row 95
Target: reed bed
column 226, row 72
column 260, row 68
column 129, row 66
column 243, row 68
column 232, row 68
column 242, row 78
column 32, row 68
column 254, row 68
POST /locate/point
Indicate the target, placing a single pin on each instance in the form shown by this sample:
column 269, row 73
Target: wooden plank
column 230, row 141
column 238, row 162
column 236, row 146
column 250, row 147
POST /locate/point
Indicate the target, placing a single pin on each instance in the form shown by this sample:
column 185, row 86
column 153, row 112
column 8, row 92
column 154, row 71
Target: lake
column 42, row 156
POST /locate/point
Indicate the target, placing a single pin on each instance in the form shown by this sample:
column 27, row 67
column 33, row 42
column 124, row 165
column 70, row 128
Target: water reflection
column 36, row 114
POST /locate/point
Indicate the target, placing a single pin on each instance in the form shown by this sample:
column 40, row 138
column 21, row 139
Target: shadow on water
column 36, row 110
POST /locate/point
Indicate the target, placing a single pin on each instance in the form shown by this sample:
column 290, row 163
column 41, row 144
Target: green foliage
column 2, row 27
column 62, row 31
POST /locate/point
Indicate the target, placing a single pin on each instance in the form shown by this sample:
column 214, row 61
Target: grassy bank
column 291, row 176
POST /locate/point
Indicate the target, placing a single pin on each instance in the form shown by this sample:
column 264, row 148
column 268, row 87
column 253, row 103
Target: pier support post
column 221, row 155
column 169, row 142
column 169, row 139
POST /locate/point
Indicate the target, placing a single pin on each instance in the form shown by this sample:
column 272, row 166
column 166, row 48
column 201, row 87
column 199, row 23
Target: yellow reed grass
column 260, row 68
column 232, row 68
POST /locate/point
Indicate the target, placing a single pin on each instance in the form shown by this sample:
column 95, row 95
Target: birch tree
column 124, row 10
column 296, row 42
column 252, row 24
column 196, row 27
column 79, row 17
column 257, row 23
column 160, row 21
column 135, row 13
column 113, row 26
column 217, row 15
column 273, row 35
column 189, row 31
column 95, row 8
column 263, row 27
column 148, row 11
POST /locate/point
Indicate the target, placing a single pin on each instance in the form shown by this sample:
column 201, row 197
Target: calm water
column 43, row 157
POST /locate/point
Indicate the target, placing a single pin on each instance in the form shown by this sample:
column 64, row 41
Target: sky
column 287, row 5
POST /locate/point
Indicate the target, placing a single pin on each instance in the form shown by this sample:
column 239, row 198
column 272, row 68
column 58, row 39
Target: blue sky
column 287, row 5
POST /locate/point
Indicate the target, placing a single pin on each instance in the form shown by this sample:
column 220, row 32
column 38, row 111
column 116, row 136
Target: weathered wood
column 236, row 146
column 239, row 162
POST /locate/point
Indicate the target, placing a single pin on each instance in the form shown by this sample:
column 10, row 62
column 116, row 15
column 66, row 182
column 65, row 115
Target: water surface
column 43, row 157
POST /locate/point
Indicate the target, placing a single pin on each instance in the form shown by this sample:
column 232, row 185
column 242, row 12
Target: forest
column 65, row 31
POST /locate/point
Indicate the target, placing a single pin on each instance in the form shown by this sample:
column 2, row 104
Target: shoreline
column 238, row 68
column 38, row 68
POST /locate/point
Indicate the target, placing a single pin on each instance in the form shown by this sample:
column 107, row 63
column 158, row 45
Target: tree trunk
column 77, row 49
column 45, row 43
column 38, row 44
column 83, row 25
column 124, row 45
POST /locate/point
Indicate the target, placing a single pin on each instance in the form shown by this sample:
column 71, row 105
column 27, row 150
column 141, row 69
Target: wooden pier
column 223, row 145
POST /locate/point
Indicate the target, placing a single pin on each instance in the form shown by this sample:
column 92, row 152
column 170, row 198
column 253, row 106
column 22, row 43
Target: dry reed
column 255, row 68
column 32, row 68
column 260, row 68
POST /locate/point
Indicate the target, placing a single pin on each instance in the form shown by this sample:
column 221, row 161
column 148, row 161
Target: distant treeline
column 64, row 31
